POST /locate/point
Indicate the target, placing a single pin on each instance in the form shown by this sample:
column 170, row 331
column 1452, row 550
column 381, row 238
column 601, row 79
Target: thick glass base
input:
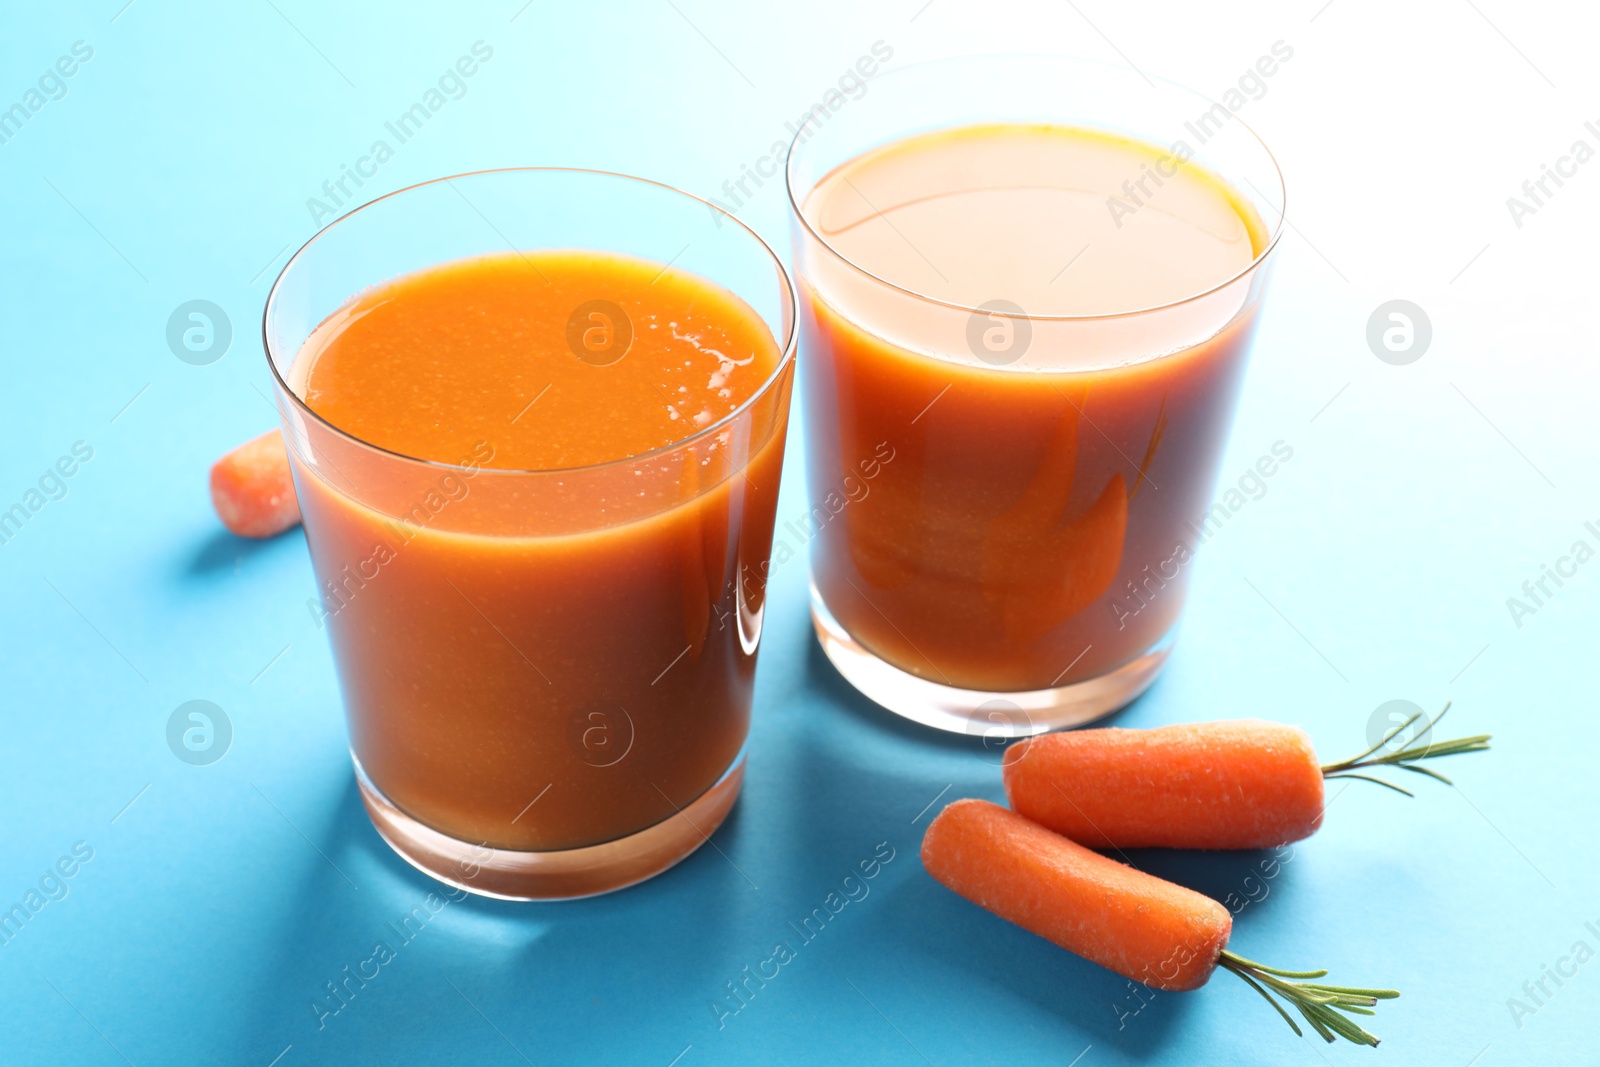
column 976, row 712
column 562, row 875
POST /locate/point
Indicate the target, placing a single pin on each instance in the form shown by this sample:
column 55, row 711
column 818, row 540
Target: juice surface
column 980, row 212
column 538, row 692
column 432, row 363
column 1032, row 530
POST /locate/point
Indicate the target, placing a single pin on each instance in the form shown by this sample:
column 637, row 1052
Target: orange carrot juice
column 972, row 296
column 541, row 634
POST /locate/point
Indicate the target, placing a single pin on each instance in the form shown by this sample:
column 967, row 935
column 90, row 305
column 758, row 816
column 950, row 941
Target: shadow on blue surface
column 224, row 551
column 992, row 954
column 668, row 954
column 925, row 926
column 494, row 957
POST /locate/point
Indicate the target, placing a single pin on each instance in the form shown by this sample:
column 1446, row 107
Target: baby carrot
column 1140, row 926
column 1244, row 784
column 1215, row 785
column 251, row 488
column 1136, row 924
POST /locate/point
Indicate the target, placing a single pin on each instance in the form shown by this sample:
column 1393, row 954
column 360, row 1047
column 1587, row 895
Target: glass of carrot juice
column 1027, row 286
column 536, row 421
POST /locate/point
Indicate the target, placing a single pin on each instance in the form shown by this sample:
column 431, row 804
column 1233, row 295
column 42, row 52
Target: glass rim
column 1275, row 229
column 787, row 346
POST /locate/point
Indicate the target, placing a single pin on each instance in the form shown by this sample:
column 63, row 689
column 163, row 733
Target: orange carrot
column 1243, row 784
column 1240, row 784
column 252, row 490
column 1140, row 926
column 1136, row 924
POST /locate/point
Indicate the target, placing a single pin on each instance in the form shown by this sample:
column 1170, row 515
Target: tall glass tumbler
column 547, row 674
column 1009, row 474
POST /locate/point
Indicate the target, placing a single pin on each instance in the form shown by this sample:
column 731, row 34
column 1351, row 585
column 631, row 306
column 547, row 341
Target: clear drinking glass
column 1001, row 546
column 547, row 673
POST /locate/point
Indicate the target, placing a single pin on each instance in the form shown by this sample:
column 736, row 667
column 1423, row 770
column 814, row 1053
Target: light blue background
column 1377, row 565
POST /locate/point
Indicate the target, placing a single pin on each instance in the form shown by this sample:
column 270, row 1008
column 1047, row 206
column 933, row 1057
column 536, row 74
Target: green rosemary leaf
column 1425, row 770
column 1369, row 778
column 1377, row 994
column 1406, row 757
column 1390, row 736
column 1264, row 969
column 1320, row 1005
column 1268, row 997
column 1307, row 1011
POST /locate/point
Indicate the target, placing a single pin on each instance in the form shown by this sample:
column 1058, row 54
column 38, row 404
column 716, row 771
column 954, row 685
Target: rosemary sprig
column 1407, row 757
column 1320, row 1005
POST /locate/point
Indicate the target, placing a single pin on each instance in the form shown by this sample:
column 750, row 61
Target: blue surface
column 220, row 899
